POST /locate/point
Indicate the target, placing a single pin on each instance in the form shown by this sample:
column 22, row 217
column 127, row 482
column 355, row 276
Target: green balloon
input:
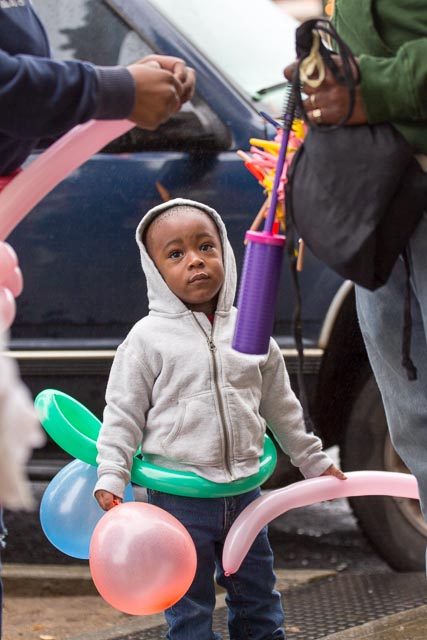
column 75, row 429
column 69, row 423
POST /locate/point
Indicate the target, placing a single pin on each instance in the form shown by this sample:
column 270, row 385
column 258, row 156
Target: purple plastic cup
column 256, row 303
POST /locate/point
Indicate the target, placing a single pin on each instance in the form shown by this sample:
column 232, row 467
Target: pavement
column 50, row 602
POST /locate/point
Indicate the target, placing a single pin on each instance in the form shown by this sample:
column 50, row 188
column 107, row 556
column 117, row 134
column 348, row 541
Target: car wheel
column 394, row 526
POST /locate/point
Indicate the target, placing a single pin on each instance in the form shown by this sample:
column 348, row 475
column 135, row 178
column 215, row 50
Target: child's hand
column 334, row 471
column 107, row 500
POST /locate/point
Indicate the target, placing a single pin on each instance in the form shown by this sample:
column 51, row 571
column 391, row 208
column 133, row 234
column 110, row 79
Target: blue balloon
column 69, row 512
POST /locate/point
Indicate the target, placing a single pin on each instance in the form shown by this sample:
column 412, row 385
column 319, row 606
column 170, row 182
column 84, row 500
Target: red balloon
column 142, row 559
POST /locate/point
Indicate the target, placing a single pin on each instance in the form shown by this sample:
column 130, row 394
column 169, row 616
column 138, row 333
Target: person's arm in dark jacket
column 41, row 97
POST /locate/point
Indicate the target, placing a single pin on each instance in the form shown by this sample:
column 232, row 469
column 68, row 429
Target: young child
column 195, row 404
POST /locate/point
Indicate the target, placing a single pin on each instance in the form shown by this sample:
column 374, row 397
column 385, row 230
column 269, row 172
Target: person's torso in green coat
column 394, row 31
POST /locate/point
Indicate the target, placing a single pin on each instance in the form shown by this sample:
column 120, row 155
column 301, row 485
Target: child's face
column 186, row 249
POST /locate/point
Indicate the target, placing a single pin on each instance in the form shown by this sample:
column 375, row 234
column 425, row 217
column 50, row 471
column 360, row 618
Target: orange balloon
column 142, row 559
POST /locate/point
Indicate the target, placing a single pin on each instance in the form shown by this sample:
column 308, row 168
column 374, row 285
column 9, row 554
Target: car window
column 83, row 29
column 91, row 30
column 250, row 41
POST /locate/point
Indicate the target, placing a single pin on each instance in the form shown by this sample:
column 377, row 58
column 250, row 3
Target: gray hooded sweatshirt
column 193, row 403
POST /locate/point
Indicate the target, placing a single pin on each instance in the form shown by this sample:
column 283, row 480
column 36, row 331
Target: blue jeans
column 2, row 546
column 254, row 607
column 381, row 319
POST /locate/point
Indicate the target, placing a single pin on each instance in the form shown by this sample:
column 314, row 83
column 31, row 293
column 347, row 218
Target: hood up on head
column 160, row 297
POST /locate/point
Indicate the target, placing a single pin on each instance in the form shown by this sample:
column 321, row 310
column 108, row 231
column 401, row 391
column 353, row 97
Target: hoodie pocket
column 195, row 436
column 247, row 425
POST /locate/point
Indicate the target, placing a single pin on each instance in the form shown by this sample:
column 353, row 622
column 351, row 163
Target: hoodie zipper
column 213, row 348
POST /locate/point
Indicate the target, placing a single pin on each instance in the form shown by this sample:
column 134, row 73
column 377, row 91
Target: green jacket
column 390, row 39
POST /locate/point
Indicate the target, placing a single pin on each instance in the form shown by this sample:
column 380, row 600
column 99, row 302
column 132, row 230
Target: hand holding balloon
column 107, row 500
column 68, row 511
column 334, row 471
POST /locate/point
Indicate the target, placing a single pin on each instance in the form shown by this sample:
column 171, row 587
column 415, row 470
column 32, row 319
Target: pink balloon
column 53, row 165
column 13, row 281
column 300, row 494
column 8, row 258
column 10, row 273
column 142, row 559
column 7, row 308
column 11, row 284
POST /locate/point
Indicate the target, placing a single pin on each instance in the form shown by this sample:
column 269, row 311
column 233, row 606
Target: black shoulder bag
column 355, row 194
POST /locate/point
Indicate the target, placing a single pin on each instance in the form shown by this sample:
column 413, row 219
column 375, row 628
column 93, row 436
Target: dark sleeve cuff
column 116, row 93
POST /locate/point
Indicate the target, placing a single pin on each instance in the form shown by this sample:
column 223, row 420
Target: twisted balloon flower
column 262, row 163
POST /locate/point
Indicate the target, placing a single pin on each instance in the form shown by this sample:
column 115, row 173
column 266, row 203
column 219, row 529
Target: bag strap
column 298, row 338
column 313, row 55
column 291, row 246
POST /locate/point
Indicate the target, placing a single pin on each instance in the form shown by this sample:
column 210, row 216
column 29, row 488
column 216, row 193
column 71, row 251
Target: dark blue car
column 84, row 287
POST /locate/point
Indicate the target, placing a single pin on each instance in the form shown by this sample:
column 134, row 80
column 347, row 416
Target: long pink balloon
column 300, row 494
column 53, row 165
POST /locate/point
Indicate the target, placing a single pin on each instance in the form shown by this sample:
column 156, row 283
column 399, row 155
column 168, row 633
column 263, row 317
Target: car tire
column 394, row 526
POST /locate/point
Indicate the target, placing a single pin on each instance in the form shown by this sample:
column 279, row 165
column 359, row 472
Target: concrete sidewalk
column 45, row 602
column 408, row 625
column 51, row 602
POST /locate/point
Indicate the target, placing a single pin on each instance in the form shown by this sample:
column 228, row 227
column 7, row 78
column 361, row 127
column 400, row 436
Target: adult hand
column 162, row 85
column 328, row 103
column 156, row 95
column 185, row 75
column 107, row 500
